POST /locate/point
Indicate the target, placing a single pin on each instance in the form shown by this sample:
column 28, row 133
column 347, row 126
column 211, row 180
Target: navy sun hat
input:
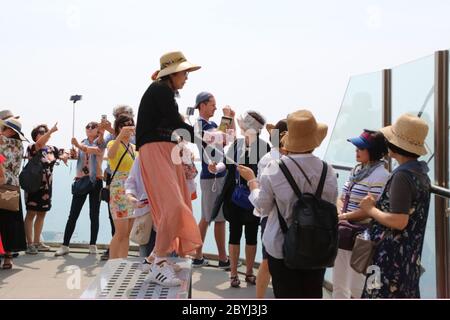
column 202, row 97
column 364, row 141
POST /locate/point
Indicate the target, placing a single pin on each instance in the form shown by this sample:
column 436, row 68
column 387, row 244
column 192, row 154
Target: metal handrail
column 437, row 190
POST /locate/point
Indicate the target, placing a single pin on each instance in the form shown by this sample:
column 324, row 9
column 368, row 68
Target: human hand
column 75, row 143
column 228, row 112
column 367, row 203
column 212, row 167
column 126, row 133
column 246, row 173
column 54, row 128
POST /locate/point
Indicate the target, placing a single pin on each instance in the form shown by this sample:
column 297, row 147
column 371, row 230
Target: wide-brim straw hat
column 408, row 133
column 15, row 125
column 304, row 132
column 173, row 62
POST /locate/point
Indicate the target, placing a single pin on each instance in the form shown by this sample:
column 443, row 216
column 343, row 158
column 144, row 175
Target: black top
column 158, row 116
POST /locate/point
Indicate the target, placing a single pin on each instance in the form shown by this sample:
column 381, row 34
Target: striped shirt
column 373, row 184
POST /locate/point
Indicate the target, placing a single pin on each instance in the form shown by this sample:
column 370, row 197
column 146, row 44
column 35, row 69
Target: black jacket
column 158, row 116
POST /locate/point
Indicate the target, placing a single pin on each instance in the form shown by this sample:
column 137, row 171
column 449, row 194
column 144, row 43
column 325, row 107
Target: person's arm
column 124, row 134
column 395, row 220
column 42, row 141
column 356, row 215
column 262, row 195
column 86, row 149
column 2, row 174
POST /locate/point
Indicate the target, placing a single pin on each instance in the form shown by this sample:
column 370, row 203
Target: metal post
column 387, row 102
column 441, row 166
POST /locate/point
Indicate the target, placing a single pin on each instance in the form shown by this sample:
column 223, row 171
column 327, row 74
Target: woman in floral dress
column 40, row 202
column 400, row 215
column 121, row 155
column 11, row 223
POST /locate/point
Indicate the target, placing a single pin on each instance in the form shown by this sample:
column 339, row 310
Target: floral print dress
column 399, row 252
column 41, row 200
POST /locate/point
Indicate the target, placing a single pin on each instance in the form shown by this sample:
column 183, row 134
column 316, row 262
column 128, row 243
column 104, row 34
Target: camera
column 190, row 111
column 104, row 117
column 85, row 170
column 75, row 98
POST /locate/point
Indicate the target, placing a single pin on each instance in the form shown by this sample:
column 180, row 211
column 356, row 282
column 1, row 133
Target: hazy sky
column 273, row 56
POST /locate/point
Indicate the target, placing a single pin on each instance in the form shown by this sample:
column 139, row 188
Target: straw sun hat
column 408, row 133
column 304, row 132
column 173, row 62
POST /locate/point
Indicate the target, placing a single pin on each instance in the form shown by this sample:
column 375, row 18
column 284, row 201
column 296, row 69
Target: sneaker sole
column 164, row 284
column 62, row 254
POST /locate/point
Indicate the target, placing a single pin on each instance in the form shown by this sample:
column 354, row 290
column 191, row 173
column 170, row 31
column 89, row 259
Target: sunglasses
column 126, row 124
column 88, row 127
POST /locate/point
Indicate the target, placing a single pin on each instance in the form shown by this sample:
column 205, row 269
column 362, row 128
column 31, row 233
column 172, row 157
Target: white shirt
column 134, row 185
column 274, row 154
column 273, row 185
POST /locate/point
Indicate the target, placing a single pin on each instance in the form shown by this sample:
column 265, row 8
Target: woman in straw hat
column 12, row 227
column 401, row 213
column 304, row 135
column 163, row 177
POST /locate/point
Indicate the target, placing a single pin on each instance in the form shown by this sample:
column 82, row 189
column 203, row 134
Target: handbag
column 9, row 197
column 142, row 227
column 82, row 186
column 240, row 195
column 363, row 251
column 105, row 192
column 347, row 234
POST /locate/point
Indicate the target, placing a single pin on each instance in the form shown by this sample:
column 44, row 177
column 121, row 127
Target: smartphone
column 190, row 111
column 225, row 123
column 104, row 117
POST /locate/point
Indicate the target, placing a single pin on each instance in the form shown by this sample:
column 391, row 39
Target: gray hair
column 120, row 109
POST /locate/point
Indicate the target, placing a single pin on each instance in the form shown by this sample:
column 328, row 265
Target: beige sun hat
column 173, row 62
column 15, row 125
column 304, row 132
column 408, row 133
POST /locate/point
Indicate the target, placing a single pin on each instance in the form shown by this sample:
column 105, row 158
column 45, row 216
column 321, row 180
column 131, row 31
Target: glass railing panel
column 360, row 109
column 413, row 92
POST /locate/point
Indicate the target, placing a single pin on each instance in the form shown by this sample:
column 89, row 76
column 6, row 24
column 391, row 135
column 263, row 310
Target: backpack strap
column 322, row 180
column 301, row 169
column 283, row 224
column 289, row 178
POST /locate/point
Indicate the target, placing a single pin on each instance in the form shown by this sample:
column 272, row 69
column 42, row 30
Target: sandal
column 7, row 265
column 250, row 278
column 235, row 282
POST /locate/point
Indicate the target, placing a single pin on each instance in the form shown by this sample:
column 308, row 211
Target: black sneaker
column 197, row 263
column 224, row 265
column 105, row 255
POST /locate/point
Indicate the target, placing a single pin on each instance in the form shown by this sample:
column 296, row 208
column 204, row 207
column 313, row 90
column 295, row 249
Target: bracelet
column 250, row 181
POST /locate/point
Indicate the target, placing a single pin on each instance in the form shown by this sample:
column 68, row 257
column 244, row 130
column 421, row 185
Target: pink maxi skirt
column 169, row 200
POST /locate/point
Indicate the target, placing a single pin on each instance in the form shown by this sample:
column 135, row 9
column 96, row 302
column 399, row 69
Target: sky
column 272, row 56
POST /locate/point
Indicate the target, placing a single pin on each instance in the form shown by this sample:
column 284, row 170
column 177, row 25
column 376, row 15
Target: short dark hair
column 120, row 121
column 36, row 130
column 379, row 147
column 401, row 151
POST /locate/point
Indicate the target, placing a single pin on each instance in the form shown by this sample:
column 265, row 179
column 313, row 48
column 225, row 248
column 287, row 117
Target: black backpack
column 311, row 241
column 30, row 179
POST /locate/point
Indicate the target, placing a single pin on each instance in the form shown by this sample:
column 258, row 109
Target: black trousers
column 289, row 283
column 251, row 233
column 111, row 221
column 94, row 213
